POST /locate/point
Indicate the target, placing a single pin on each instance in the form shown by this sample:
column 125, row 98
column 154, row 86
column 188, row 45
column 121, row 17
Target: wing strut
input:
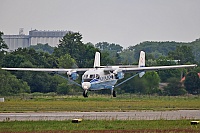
column 127, row 79
column 69, row 80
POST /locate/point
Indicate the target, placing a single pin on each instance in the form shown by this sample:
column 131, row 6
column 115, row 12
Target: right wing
column 58, row 70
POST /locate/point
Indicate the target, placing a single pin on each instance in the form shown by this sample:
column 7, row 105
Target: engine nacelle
column 118, row 74
column 73, row 75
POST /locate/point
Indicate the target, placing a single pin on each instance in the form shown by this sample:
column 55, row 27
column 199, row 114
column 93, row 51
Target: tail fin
column 97, row 60
column 141, row 62
column 142, row 59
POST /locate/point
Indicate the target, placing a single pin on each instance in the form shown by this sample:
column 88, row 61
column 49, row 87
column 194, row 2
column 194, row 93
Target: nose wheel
column 85, row 93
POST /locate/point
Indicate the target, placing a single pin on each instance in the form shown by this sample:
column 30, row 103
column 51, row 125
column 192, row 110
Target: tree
column 192, row 82
column 106, row 60
column 38, row 59
column 105, row 46
column 72, row 45
column 148, row 84
column 3, row 47
column 135, row 85
column 43, row 48
column 11, row 60
column 157, row 49
column 63, row 88
column 112, row 49
column 66, row 61
column 169, row 73
column 174, row 87
column 11, row 85
column 195, row 49
column 152, row 82
column 38, row 81
column 182, row 53
column 127, row 57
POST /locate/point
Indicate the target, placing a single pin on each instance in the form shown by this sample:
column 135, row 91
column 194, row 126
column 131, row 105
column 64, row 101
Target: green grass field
column 98, row 103
column 100, row 125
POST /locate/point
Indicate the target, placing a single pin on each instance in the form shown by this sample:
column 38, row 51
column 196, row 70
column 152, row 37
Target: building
column 43, row 37
column 16, row 41
column 35, row 36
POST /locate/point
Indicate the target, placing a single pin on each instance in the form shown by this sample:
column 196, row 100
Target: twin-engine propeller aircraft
column 102, row 77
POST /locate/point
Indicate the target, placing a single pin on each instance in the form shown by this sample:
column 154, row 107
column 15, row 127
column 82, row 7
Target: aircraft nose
column 86, row 85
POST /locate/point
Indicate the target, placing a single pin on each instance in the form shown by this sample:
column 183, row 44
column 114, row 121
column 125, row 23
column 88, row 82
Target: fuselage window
column 111, row 76
column 97, row 76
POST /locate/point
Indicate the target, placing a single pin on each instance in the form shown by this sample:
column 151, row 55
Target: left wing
column 155, row 68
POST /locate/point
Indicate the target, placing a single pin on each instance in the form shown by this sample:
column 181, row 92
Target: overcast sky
column 124, row 22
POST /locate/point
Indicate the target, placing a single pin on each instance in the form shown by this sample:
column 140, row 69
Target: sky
column 123, row 22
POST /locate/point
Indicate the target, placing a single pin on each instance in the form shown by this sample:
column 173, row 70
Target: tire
column 85, row 94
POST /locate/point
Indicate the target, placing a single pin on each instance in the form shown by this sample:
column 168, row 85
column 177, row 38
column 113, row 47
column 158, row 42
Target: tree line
column 71, row 52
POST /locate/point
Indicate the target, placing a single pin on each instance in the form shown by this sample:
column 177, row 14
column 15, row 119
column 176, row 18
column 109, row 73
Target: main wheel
column 85, row 94
column 114, row 94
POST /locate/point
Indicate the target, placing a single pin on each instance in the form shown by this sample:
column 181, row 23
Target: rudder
column 141, row 62
column 97, row 60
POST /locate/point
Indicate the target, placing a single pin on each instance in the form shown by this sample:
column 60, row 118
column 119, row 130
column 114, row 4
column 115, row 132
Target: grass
column 100, row 125
column 98, row 103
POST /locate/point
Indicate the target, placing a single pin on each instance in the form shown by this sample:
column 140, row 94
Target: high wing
column 51, row 70
column 111, row 68
column 154, row 68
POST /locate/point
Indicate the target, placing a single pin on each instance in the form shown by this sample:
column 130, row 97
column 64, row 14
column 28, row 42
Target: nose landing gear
column 85, row 93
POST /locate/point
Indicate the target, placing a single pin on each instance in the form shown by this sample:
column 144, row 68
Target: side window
column 97, row 76
column 111, row 77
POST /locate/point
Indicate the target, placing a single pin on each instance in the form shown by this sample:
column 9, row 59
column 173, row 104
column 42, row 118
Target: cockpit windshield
column 92, row 76
column 88, row 78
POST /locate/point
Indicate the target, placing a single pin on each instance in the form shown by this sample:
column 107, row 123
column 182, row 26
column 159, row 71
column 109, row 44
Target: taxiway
column 134, row 115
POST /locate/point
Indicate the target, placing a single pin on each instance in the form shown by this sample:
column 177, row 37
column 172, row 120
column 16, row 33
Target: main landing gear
column 113, row 93
column 85, row 93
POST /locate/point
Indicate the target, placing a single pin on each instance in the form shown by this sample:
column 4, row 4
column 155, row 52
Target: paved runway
column 135, row 115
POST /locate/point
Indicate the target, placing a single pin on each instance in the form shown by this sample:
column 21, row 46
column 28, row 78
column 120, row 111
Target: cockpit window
column 91, row 76
column 97, row 76
column 85, row 76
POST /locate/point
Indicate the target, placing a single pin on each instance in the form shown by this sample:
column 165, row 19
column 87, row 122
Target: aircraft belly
column 103, row 85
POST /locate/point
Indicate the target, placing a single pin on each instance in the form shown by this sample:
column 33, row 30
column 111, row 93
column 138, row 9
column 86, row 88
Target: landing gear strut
column 114, row 94
column 85, row 93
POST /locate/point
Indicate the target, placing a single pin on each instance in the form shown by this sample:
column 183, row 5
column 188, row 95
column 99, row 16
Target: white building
column 43, row 37
column 35, row 36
